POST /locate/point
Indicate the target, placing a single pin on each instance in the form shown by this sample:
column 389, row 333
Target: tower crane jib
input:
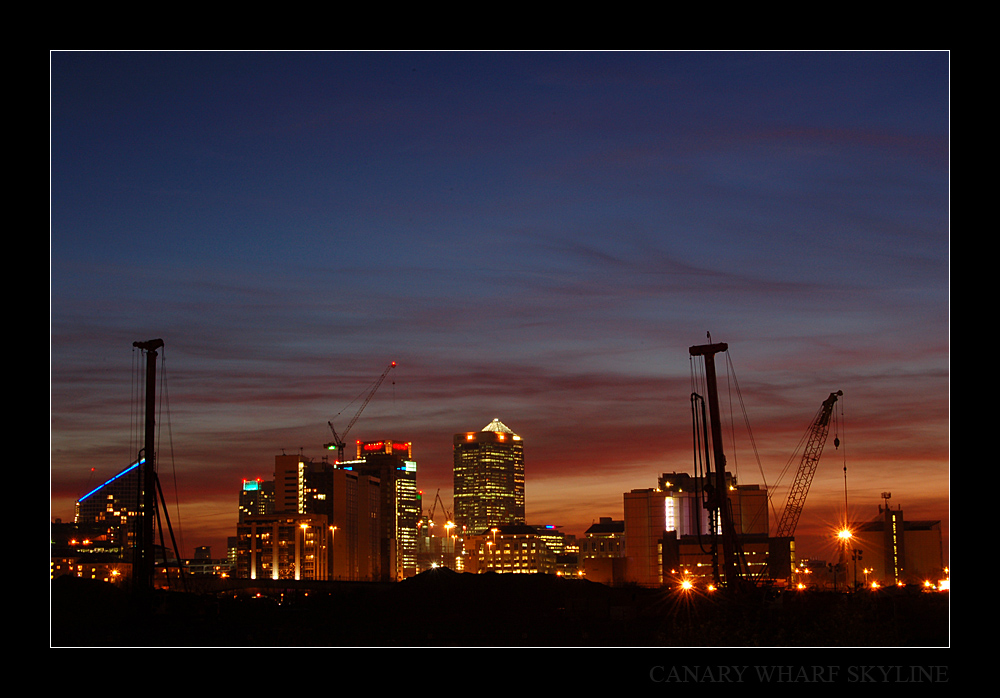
column 338, row 439
column 818, row 432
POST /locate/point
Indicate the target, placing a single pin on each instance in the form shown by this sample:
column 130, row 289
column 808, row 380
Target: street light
column 855, row 556
column 300, row 552
column 845, row 537
column 447, row 534
column 333, row 552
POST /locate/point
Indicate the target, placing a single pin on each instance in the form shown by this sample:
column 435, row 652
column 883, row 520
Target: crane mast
column 719, row 500
column 338, row 439
column 807, row 468
column 144, row 565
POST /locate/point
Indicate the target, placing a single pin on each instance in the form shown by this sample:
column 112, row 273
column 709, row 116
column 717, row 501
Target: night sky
column 535, row 237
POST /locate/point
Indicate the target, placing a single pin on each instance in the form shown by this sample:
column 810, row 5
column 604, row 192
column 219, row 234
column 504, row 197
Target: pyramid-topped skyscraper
column 489, row 478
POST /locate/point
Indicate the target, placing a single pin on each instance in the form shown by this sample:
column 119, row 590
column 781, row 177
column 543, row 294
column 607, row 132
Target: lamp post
column 845, row 537
column 333, row 552
column 855, row 556
column 300, row 553
column 447, row 534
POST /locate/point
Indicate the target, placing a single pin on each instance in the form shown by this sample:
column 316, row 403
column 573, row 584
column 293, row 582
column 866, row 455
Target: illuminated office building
column 488, row 478
column 113, row 509
column 400, row 502
column 256, row 498
column 306, row 491
column 290, row 483
column 515, row 549
column 283, row 546
column 668, row 531
column 350, row 501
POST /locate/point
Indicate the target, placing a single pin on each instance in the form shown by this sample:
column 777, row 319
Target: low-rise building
column 516, row 549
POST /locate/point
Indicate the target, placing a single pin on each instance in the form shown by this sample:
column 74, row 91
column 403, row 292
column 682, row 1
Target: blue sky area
column 536, row 236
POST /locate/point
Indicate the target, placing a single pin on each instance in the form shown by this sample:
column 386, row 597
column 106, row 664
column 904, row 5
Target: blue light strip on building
column 124, row 472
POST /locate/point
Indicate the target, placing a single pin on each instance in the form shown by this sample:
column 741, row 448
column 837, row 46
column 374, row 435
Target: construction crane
column 437, row 498
column 338, row 439
column 817, row 434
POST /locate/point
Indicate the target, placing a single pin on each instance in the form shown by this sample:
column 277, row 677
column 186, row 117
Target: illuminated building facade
column 515, row 549
column 290, row 483
column 112, row 512
column 687, row 515
column 400, row 502
column 488, row 478
column 554, row 539
column 668, row 531
column 349, row 503
column 437, row 551
column 892, row 551
column 81, row 550
column 283, row 546
column 256, row 498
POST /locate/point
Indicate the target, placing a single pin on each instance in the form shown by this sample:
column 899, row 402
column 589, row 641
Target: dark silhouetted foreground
column 449, row 609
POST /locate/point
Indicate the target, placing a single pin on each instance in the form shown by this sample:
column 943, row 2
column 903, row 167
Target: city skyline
column 534, row 237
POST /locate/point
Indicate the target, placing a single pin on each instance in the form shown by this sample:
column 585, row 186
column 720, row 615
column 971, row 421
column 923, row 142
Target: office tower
column 289, row 483
column 283, row 546
column 113, row 508
column 276, row 538
column 489, row 478
column 343, row 502
column 350, row 501
column 256, row 498
column 392, row 463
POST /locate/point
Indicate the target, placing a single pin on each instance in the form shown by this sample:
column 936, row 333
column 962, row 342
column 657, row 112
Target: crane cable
column 731, row 372
column 165, row 409
column 836, row 444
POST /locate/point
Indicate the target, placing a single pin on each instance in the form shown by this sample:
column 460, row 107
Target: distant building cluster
column 364, row 520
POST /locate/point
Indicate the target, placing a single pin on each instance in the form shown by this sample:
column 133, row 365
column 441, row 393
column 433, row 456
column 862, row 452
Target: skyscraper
column 343, row 501
column 392, row 463
column 256, row 498
column 114, row 509
column 489, row 478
